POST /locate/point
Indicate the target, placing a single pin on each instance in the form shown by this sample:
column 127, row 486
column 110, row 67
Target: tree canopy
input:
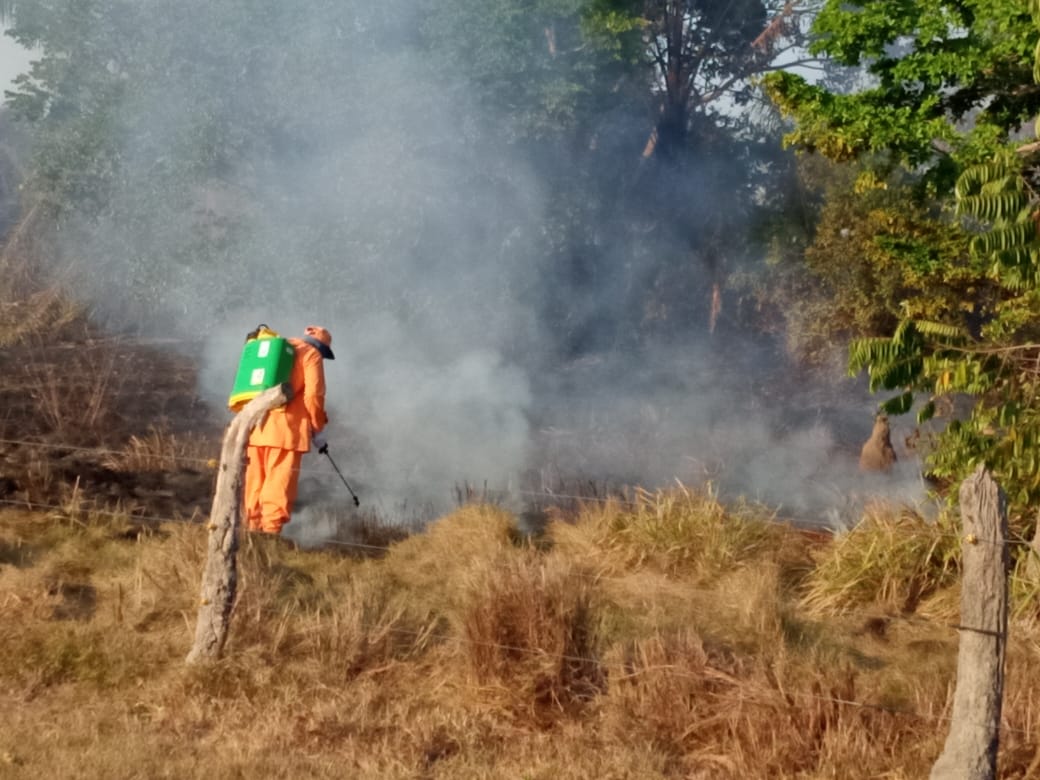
column 947, row 80
column 953, row 88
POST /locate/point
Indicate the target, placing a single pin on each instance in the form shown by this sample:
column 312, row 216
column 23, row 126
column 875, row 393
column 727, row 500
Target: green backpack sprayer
column 266, row 361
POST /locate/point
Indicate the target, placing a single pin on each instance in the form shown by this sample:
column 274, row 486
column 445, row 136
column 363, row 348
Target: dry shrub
column 529, row 634
column 893, row 557
column 679, row 531
column 74, row 388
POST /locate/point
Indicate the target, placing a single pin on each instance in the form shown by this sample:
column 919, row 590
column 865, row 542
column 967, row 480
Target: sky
column 14, row 59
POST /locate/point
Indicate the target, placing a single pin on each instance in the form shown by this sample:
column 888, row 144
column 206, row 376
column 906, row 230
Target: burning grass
column 611, row 648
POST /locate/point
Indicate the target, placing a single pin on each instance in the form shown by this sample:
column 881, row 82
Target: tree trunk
column 220, row 576
column 971, row 745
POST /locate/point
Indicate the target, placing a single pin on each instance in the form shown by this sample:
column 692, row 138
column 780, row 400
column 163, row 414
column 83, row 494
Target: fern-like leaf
column 993, row 207
column 1012, row 237
column 939, row 330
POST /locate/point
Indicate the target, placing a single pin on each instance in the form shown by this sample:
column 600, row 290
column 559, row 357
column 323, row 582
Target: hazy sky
column 13, row 60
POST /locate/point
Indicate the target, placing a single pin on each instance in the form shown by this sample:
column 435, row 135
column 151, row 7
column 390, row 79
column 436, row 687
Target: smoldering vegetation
column 520, row 301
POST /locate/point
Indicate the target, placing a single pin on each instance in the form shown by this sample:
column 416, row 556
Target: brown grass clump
column 893, row 558
column 432, row 565
column 529, row 634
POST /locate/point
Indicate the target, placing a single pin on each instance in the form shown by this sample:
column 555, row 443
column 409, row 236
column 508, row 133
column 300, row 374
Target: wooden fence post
column 971, row 745
column 220, row 575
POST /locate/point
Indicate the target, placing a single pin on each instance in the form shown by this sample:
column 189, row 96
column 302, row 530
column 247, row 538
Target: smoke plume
column 385, row 210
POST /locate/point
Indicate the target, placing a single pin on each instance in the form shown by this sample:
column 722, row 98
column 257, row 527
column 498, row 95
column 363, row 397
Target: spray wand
column 324, row 450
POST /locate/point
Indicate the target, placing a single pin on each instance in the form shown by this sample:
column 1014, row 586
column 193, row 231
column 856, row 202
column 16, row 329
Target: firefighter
column 277, row 445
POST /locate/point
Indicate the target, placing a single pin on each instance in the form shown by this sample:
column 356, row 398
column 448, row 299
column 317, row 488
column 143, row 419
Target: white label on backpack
column 263, row 348
column 257, row 377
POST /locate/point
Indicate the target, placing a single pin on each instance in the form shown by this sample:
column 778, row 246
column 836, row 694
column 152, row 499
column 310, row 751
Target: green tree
column 950, row 80
column 874, row 255
column 700, row 54
column 953, row 86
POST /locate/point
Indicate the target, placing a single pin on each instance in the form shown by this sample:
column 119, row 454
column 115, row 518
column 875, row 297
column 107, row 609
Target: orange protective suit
column 277, row 445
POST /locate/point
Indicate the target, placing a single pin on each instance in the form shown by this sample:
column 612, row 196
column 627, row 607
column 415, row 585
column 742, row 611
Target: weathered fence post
column 220, row 575
column 971, row 745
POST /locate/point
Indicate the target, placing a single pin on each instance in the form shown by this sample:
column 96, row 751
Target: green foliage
column 1002, row 430
column 951, row 82
column 933, row 64
column 881, row 252
column 994, row 194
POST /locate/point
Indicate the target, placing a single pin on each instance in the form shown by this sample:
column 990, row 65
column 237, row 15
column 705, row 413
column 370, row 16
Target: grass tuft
column 677, row 532
column 528, row 630
column 893, row 557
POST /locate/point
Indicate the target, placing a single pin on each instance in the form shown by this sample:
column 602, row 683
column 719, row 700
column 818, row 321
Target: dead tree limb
column 220, row 575
column 971, row 745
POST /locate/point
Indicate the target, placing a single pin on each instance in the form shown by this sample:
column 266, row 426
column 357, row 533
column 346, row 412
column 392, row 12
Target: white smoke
column 422, row 247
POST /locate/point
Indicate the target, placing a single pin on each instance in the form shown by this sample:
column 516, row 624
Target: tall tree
column 694, row 187
column 701, row 54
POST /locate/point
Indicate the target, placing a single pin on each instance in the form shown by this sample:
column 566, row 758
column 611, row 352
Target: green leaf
column 926, row 412
column 901, row 404
column 1004, row 239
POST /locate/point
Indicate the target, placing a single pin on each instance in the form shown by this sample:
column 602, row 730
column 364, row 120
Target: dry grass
column 529, row 634
column 893, row 558
column 466, row 652
column 32, row 303
column 676, row 532
column 161, row 450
